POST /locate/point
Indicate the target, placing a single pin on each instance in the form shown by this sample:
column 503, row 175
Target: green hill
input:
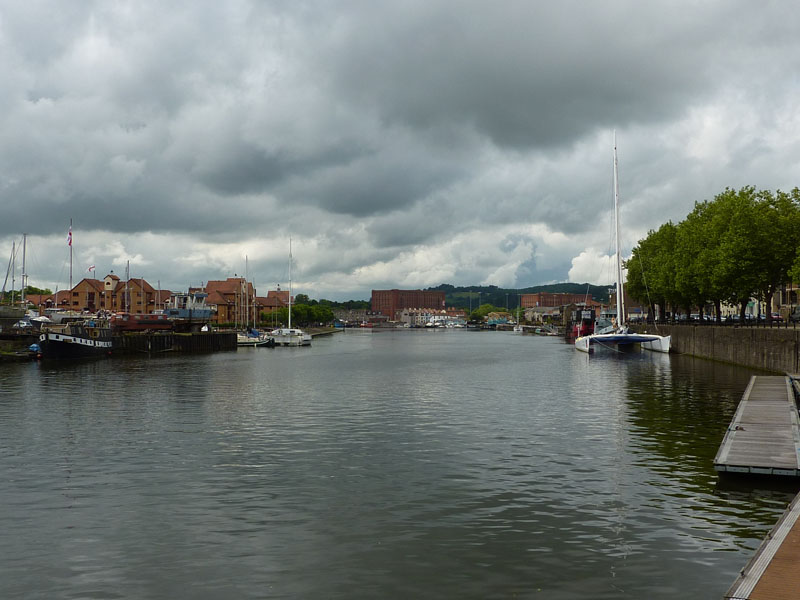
column 502, row 297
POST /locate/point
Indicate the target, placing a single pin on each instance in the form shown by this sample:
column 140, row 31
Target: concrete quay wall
column 773, row 349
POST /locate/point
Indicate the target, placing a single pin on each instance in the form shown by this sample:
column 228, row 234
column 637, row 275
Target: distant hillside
column 460, row 296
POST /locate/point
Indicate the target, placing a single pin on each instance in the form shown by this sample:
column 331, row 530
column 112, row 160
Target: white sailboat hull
column 660, row 344
column 291, row 337
column 655, row 343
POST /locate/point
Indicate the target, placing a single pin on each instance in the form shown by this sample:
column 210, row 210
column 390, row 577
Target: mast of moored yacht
column 290, row 282
column 13, row 268
column 69, row 241
column 24, row 275
column 618, row 275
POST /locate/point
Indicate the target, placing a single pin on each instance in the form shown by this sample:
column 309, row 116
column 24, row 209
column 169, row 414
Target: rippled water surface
column 410, row 464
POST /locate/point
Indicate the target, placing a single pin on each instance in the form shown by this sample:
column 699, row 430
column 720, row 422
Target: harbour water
column 408, row 464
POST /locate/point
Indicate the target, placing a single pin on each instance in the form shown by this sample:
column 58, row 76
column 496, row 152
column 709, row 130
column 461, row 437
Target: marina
column 409, row 463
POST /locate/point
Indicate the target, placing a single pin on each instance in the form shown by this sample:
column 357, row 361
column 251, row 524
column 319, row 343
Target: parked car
column 777, row 317
column 795, row 316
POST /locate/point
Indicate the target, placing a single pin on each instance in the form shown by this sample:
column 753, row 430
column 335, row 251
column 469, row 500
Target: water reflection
column 476, row 465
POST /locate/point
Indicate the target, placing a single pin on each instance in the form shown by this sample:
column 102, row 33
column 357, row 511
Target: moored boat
column 288, row 336
column 254, row 339
column 616, row 334
column 189, row 312
column 79, row 339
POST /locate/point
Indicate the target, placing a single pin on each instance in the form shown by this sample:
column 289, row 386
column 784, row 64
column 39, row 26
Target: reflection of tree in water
column 678, row 416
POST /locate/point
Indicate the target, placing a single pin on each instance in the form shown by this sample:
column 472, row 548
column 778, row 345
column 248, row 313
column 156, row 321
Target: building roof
column 215, row 298
column 281, row 296
column 270, row 302
column 232, row 285
column 97, row 284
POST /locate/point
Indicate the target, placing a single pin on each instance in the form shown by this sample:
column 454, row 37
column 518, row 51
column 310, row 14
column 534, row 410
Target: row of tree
column 740, row 245
column 302, row 314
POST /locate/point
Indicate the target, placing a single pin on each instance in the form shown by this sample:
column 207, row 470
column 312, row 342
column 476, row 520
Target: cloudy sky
column 399, row 144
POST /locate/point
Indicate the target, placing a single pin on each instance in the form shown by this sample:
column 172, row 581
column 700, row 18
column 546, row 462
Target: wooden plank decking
column 773, row 573
column 764, row 435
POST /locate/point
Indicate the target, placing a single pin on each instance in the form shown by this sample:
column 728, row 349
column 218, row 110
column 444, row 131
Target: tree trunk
column 768, row 303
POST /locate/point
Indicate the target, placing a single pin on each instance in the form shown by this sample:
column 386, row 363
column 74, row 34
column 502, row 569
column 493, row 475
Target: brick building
column 134, row 296
column 390, row 302
column 234, row 300
column 551, row 299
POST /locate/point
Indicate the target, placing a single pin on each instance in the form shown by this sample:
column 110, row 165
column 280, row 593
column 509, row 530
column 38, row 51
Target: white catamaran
column 617, row 335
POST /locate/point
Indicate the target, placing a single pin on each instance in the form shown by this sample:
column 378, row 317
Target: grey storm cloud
column 401, row 125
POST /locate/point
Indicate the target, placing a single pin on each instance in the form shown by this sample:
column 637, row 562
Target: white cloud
column 592, row 267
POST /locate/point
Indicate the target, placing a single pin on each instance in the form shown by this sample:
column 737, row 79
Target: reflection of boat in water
column 286, row 336
column 188, row 312
column 616, row 334
column 78, row 339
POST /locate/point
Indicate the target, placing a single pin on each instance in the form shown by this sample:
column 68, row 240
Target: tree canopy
column 743, row 244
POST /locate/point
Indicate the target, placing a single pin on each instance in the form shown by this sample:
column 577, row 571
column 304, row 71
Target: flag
column 69, row 236
column 90, row 268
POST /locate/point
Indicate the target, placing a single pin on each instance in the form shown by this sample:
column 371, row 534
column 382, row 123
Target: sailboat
column 617, row 335
column 12, row 312
column 250, row 337
column 287, row 336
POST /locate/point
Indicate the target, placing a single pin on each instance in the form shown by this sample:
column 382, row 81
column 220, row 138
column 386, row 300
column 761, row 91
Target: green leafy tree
column 794, row 272
column 34, row 290
column 777, row 235
column 651, row 270
column 479, row 314
column 697, row 256
column 738, row 248
column 321, row 314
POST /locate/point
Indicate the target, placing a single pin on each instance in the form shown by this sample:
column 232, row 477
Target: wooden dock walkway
column 764, row 435
column 774, row 572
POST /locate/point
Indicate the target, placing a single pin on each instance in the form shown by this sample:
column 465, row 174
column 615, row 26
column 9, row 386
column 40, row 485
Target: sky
column 397, row 144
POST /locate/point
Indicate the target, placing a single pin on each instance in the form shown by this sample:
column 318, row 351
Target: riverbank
column 771, row 349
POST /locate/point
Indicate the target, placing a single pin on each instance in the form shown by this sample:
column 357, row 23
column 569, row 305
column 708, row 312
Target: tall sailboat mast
column 69, row 241
column 290, row 283
column 24, row 275
column 618, row 274
column 13, row 268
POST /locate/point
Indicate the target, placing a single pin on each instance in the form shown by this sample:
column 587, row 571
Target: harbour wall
column 153, row 343
column 770, row 348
